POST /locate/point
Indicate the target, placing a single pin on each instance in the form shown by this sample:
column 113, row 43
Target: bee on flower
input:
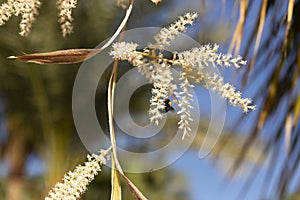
column 157, row 69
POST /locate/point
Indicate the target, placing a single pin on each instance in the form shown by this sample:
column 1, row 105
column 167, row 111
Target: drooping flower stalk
column 75, row 183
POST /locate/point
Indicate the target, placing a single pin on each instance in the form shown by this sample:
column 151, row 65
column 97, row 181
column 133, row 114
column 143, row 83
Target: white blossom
column 207, row 54
column 75, row 183
column 166, row 35
column 157, row 69
column 127, row 51
column 184, row 97
column 65, row 18
column 28, row 9
column 162, row 86
column 227, row 91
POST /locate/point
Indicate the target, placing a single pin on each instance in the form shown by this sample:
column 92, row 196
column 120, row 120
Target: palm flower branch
column 156, row 68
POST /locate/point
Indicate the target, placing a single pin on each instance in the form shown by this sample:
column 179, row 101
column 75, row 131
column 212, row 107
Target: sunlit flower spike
column 152, row 64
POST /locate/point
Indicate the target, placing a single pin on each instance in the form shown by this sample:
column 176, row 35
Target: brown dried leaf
column 116, row 193
column 68, row 56
column 138, row 195
column 239, row 29
column 288, row 132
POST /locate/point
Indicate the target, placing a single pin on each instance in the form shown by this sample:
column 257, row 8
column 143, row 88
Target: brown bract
column 156, row 1
column 68, row 56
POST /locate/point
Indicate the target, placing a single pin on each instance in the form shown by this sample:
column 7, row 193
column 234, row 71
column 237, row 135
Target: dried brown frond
column 261, row 25
column 238, row 33
column 278, row 51
column 68, row 56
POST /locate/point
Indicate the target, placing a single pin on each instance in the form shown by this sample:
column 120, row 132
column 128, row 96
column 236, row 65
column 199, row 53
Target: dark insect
column 168, row 106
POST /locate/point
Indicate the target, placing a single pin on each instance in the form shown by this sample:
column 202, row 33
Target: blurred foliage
column 274, row 53
column 293, row 196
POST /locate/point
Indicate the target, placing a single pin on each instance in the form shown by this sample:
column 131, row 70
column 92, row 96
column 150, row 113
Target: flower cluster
column 162, row 86
column 198, row 59
column 227, row 91
column 75, row 183
column 166, row 35
column 28, row 9
column 208, row 54
column 185, row 105
column 65, row 15
column 194, row 62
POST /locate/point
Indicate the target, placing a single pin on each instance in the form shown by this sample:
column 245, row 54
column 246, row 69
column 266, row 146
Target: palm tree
column 274, row 49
